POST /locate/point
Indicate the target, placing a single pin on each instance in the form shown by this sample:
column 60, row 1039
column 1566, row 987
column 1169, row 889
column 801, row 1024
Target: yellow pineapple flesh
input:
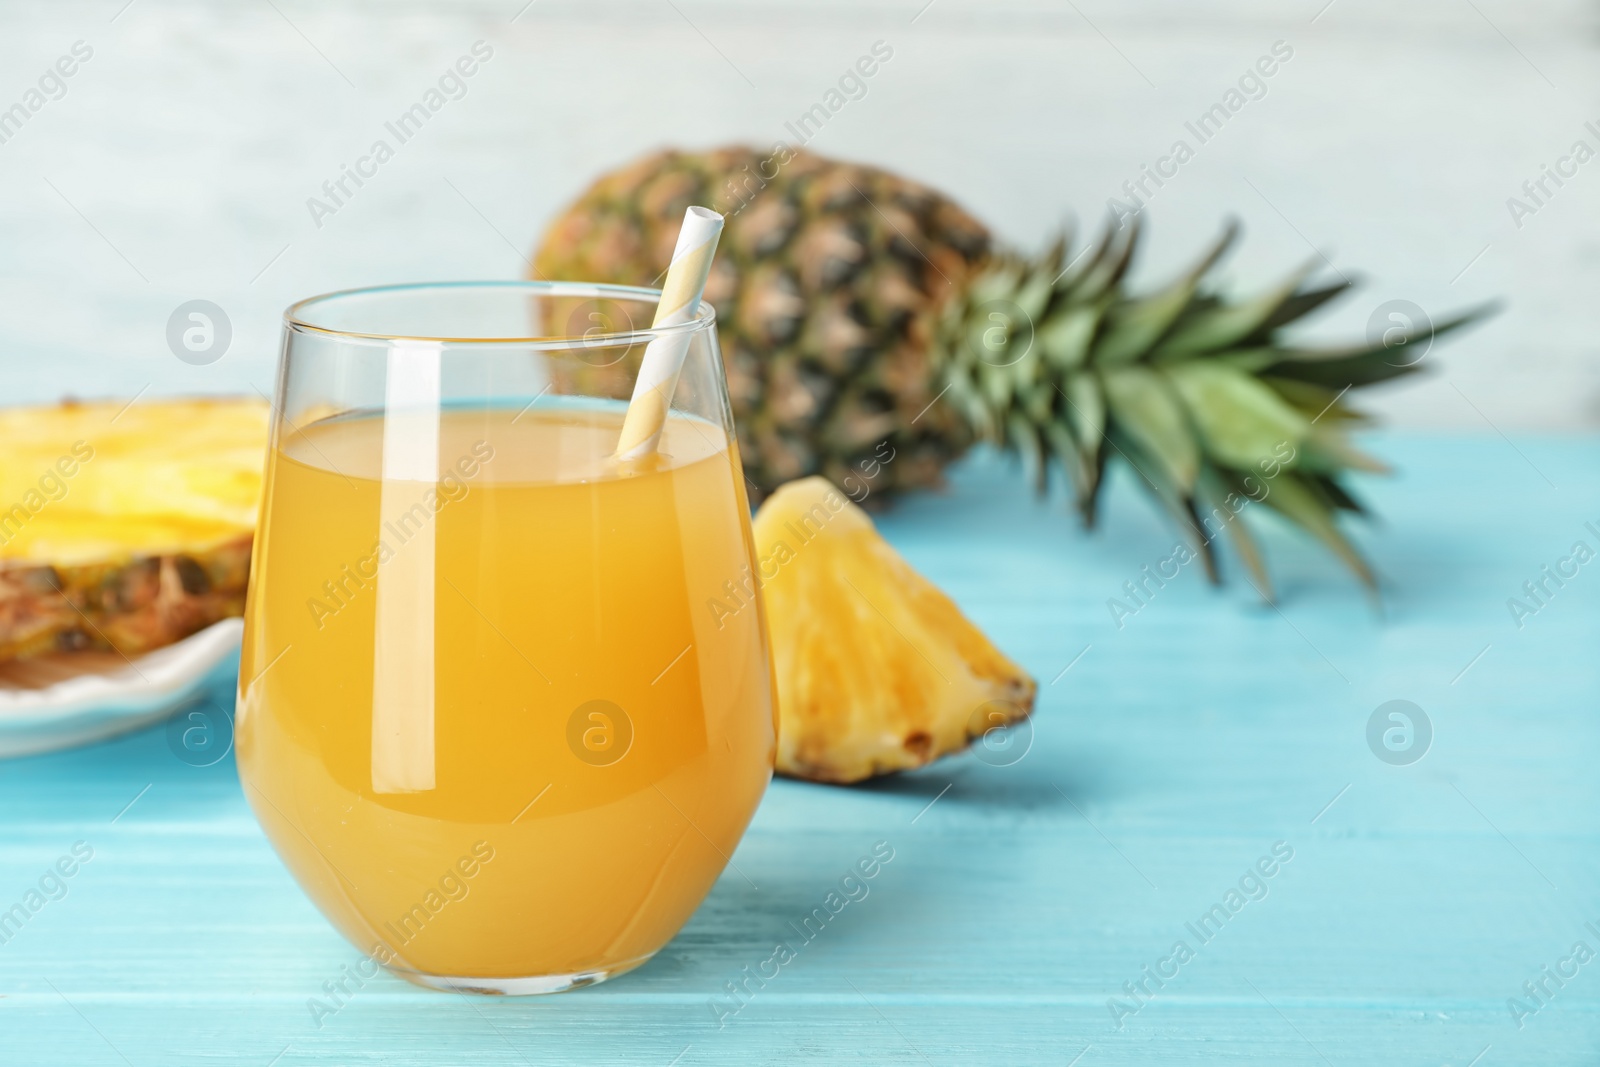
column 125, row 526
column 877, row 670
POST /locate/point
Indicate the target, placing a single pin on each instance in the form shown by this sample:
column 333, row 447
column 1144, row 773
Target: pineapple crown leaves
column 1201, row 394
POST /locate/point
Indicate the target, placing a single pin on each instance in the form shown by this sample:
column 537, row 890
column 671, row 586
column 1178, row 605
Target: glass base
column 531, row 985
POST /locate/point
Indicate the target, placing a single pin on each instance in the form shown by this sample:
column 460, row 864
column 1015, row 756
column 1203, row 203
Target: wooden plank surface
column 1163, row 765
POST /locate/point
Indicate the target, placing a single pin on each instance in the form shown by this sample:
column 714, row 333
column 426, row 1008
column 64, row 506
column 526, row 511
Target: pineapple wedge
column 877, row 670
column 125, row 527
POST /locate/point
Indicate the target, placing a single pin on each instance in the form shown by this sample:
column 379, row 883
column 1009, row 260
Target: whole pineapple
column 864, row 316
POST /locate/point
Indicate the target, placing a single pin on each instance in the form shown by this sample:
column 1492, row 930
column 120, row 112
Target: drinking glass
column 505, row 703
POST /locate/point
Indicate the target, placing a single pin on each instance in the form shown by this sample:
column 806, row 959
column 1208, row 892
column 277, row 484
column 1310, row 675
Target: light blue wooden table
column 1167, row 761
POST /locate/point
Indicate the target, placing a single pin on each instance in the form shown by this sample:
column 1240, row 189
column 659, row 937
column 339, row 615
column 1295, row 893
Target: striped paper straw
column 663, row 357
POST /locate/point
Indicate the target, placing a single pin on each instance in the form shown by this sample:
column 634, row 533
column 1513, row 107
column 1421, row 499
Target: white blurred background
column 178, row 163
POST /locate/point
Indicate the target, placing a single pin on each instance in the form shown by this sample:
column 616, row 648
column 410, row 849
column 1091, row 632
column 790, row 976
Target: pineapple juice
column 488, row 719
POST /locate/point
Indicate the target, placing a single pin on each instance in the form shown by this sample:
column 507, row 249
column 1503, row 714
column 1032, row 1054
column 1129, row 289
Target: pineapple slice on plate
column 877, row 670
column 125, row 527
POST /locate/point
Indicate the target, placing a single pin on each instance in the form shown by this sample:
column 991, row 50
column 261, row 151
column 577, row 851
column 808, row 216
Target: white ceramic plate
column 59, row 701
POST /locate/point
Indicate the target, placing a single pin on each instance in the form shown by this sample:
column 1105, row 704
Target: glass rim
column 296, row 320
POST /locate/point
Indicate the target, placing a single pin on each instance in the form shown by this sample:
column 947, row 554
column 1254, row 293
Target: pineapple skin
column 125, row 528
column 828, row 286
column 129, row 606
column 876, row 670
